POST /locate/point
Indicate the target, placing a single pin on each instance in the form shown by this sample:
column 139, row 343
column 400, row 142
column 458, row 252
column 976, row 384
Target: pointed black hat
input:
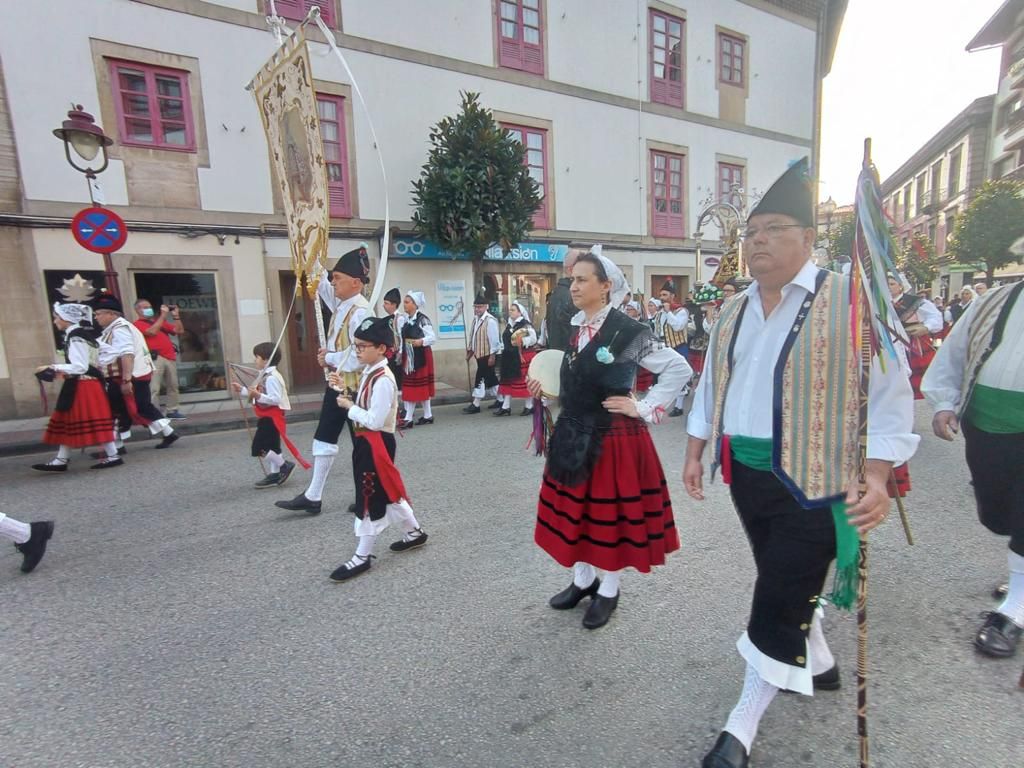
column 790, row 195
column 355, row 263
column 669, row 286
column 107, row 301
column 481, row 299
column 394, row 296
column 376, row 330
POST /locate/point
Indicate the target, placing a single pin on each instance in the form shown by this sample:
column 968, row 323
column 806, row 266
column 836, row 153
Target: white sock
column 583, row 575
column 822, row 659
column 118, row 442
column 321, row 467
column 275, row 460
column 428, row 412
column 610, row 584
column 13, row 529
column 365, row 548
column 746, row 716
column 165, row 428
column 476, row 401
column 528, row 406
column 111, row 450
column 1013, row 605
column 401, row 513
column 410, row 409
column 507, row 402
column 64, row 452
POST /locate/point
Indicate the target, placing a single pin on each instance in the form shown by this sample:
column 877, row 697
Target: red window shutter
column 667, row 193
column 510, row 53
column 335, row 144
column 520, row 35
column 659, row 217
column 289, row 9
column 533, row 58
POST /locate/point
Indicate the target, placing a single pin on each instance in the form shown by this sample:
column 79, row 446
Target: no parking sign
column 99, row 230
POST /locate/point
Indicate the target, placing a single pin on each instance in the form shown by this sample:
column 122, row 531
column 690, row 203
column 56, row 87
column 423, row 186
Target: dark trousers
column 793, row 549
column 369, row 491
column 333, row 419
column 485, row 373
column 996, row 463
column 144, row 400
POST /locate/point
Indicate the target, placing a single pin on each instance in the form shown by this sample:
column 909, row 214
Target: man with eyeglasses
column 779, row 402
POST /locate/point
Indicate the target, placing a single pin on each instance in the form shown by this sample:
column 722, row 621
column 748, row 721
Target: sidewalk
column 23, row 436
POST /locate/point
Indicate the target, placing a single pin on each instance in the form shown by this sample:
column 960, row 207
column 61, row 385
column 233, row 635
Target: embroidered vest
column 365, row 395
column 985, row 334
column 142, row 364
column 481, row 339
column 342, row 339
column 815, row 429
column 285, row 404
column 88, row 338
column 674, row 338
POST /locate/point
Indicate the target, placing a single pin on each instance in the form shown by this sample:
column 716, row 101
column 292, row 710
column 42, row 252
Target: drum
column 546, row 367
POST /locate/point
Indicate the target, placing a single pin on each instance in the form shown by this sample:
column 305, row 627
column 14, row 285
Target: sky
column 900, row 73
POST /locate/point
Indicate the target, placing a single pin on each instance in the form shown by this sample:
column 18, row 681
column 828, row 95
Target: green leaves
column 474, row 189
column 992, row 222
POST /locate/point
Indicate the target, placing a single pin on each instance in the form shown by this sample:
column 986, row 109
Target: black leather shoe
column 599, row 611
column 526, row 412
column 570, row 596
column 494, row 406
column 300, row 504
column 51, row 467
column 285, row 472
column 34, row 549
column 109, row 463
column 270, row 481
column 828, row 680
column 503, row 412
column 423, row 421
column 407, row 424
column 402, row 545
column 168, row 441
column 675, row 412
column 353, row 567
column 122, row 451
column 471, row 409
column 998, row 636
column 728, row 752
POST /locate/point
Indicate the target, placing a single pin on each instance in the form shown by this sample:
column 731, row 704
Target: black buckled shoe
column 503, row 412
column 471, row 409
column 53, row 466
column 828, row 680
column 406, row 424
column 998, row 636
column 599, row 611
column 109, row 463
column 352, row 568
column 300, row 504
column 728, row 752
column 526, row 412
column 34, row 549
column 122, row 451
column 270, row 481
column 494, row 406
column 168, row 441
column 403, row 544
column 570, row 596
column 423, row 421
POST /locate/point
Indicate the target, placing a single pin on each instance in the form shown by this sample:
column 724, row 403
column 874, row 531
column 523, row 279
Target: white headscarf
column 73, row 313
column 522, row 309
column 620, row 286
column 655, row 302
column 419, row 299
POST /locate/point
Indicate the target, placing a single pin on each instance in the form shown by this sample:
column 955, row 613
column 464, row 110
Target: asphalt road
column 180, row 619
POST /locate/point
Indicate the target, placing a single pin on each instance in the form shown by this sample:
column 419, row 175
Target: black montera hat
column 376, row 330
column 669, row 286
column 790, row 195
column 355, row 263
column 481, row 299
column 393, row 296
column 107, row 301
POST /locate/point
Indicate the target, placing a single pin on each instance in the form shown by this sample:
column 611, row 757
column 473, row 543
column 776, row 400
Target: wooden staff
column 904, row 519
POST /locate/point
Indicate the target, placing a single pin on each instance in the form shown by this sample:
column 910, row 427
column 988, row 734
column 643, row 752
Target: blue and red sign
column 99, row 230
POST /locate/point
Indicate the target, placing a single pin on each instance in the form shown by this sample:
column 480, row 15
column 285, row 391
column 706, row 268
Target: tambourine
column 546, row 367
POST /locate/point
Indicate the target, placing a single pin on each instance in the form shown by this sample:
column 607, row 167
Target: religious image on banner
column 284, row 94
column 79, row 286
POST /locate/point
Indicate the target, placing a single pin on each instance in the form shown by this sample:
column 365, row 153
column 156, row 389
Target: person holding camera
column 158, row 329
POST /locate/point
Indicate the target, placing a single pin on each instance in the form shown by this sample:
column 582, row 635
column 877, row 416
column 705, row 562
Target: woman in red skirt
column 604, row 502
column 519, row 340
column 81, row 417
column 418, row 360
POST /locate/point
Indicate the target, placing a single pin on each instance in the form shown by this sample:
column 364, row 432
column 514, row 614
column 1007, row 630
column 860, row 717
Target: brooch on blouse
column 604, row 355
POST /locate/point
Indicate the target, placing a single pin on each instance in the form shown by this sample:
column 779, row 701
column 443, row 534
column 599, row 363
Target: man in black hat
column 344, row 298
column 484, row 344
column 790, row 483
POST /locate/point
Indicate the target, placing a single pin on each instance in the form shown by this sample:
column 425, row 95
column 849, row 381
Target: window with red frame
column 667, row 195
column 535, row 141
column 153, row 106
column 732, row 55
column 332, row 133
column 666, row 55
column 521, row 35
column 730, row 176
column 296, row 10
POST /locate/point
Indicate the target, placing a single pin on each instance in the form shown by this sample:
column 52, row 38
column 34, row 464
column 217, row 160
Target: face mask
column 147, row 312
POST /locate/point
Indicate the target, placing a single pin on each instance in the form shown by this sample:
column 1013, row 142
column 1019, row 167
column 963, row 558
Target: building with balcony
column 633, row 112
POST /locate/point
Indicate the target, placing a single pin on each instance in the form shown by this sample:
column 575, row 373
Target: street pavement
column 180, row 619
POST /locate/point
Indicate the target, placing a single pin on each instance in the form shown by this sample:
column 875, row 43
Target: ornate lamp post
column 84, row 142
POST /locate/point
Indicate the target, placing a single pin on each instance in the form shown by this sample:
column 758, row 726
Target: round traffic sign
column 99, row 230
column 711, row 261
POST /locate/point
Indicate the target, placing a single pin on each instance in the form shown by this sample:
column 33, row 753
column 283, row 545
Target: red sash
column 276, row 415
column 390, row 479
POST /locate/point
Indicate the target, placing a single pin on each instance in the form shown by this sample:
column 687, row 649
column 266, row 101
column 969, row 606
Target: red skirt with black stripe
column 87, row 422
column 419, row 385
column 621, row 516
column 921, row 356
column 517, row 387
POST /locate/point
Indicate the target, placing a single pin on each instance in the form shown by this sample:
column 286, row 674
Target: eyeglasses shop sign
column 416, row 248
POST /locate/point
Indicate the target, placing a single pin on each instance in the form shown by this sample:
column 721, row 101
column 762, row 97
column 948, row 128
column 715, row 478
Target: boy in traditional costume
column 391, row 302
column 779, row 401
column 343, row 296
column 603, row 501
column 484, row 346
column 417, row 360
column 977, row 381
column 82, row 416
column 29, row 538
column 518, row 342
column 382, row 498
column 270, row 402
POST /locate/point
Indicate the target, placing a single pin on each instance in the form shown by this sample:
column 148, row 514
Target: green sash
column 996, row 411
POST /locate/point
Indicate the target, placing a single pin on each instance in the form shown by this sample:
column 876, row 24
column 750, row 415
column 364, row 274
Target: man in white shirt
column 977, row 381
column 484, row 345
column 675, row 328
column 787, row 481
column 344, row 298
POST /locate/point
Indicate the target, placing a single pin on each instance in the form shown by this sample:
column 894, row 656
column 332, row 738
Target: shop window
column 730, row 182
column 521, row 35
column 732, row 59
column 200, row 347
column 153, row 106
column 296, row 10
column 535, row 140
column 332, row 133
column 666, row 59
column 667, row 218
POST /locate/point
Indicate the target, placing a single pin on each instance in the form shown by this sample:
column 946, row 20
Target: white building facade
column 636, row 114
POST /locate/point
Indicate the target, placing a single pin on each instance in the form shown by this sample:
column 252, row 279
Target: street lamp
column 87, row 140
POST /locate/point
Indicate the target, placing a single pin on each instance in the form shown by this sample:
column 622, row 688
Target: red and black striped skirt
column 517, row 387
column 419, row 385
column 621, row 516
column 87, row 422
